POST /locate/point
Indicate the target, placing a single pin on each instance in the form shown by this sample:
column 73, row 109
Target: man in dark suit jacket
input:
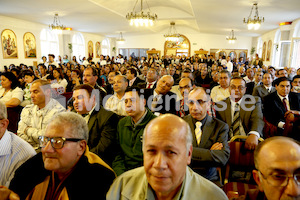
column 257, row 81
column 110, row 80
column 161, row 100
column 102, row 123
column 250, row 119
column 210, row 148
column 275, row 110
column 132, row 78
column 264, row 89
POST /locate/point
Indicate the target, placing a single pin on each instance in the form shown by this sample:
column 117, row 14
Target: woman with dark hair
column 59, row 78
column 10, row 94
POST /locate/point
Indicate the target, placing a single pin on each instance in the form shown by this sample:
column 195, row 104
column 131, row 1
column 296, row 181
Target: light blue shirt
column 14, row 151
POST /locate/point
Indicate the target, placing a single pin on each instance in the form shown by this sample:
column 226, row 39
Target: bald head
column 168, row 125
column 276, row 149
column 164, row 84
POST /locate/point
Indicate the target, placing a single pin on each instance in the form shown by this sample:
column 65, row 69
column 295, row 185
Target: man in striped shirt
column 14, row 151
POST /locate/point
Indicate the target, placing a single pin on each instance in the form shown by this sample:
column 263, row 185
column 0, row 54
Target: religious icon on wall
column 269, row 50
column 98, row 49
column 90, row 49
column 9, row 44
column 29, row 45
column 264, row 51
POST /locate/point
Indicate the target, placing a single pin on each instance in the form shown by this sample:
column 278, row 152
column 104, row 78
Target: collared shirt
column 241, row 128
column 218, row 93
column 140, row 120
column 15, row 93
column 88, row 116
column 14, row 151
column 116, row 105
column 131, row 81
column 34, row 121
column 158, row 97
column 152, row 84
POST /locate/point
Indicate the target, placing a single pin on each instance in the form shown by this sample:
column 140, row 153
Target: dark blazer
column 204, row 160
column 109, row 89
column 261, row 91
column 250, row 86
column 102, row 134
column 166, row 104
column 252, row 120
column 274, row 110
column 143, row 85
column 136, row 82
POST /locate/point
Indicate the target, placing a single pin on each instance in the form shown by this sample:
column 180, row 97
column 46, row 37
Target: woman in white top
column 59, row 77
column 10, row 94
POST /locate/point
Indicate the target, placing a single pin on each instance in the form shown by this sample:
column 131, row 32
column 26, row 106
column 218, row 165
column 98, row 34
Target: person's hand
column 217, row 146
column 7, row 194
column 251, row 142
column 295, row 112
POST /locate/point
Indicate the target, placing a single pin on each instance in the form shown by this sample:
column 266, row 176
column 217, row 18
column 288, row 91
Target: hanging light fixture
column 141, row 18
column 172, row 34
column 255, row 22
column 121, row 40
column 57, row 26
column 231, row 38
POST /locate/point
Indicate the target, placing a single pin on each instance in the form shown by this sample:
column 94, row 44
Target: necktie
column 236, row 120
column 198, row 132
column 284, row 104
column 149, row 85
column 181, row 111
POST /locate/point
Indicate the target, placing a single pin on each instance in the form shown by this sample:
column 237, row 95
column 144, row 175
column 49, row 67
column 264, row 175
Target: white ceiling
column 107, row 17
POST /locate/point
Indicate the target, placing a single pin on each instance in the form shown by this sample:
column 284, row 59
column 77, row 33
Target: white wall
column 19, row 27
column 197, row 40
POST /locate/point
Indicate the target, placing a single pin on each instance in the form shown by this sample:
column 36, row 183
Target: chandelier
column 57, row 26
column 255, row 22
column 141, row 18
column 121, row 40
column 172, row 34
column 231, row 38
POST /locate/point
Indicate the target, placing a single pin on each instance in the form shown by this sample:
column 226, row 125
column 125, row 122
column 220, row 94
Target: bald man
column 161, row 100
column 277, row 161
column 167, row 152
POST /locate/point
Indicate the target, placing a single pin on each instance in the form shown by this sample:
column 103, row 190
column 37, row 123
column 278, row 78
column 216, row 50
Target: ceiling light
column 231, row 38
column 254, row 22
column 57, row 26
column 172, row 34
column 141, row 18
column 121, row 40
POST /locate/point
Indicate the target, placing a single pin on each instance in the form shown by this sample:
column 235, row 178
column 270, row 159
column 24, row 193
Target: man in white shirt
column 51, row 61
column 249, row 75
column 13, row 150
column 229, row 64
column 221, row 91
column 115, row 103
column 35, row 117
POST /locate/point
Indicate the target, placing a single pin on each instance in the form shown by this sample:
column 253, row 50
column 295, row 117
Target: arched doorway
column 182, row 47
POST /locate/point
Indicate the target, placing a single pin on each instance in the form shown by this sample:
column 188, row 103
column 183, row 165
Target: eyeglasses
column 56, row 142
column 233, row 87
column 281, row 180
column 199, row 102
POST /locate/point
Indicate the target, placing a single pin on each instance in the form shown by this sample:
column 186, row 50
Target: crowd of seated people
column 120, row 101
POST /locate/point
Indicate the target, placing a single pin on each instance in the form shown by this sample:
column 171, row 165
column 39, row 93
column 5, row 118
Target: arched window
column 259, row 47
column 105, row 47
column 275, row 54
column 78, row 47
column 49, row 43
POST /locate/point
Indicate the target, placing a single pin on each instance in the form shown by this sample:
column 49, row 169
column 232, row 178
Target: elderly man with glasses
column 277, row 174
column 65, row 169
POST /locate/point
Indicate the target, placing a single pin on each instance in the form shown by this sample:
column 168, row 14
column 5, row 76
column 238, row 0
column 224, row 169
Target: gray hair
column 3, row 111
column 79, row 128
column 188, row 137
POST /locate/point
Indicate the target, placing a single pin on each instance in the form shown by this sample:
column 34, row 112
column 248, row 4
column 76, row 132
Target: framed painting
column 90, row 49
column 269, row 50
column 9, row 44
column 29, row 45
column 98, row 49
column 264, row 51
